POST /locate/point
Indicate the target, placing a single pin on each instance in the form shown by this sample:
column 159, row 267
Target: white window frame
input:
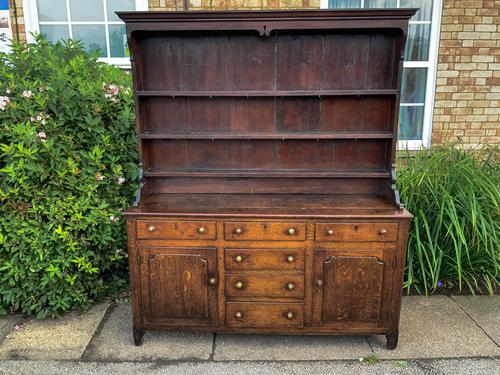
column 431, row 65
column 33, row 26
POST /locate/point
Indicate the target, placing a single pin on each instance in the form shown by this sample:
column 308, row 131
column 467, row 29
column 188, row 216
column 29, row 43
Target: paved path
column 438, row 335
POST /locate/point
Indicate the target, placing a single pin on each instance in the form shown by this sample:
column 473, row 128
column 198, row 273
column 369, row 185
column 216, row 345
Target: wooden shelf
column 248, row 93
column 272, row 205
column 268, row 136
column 293, row 173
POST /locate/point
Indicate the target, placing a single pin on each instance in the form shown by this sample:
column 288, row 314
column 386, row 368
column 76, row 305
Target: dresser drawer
column 265, row 285
column 356, row 232
column 264, row 231
column 176, row 230
column 251, row 314
column 264, row 259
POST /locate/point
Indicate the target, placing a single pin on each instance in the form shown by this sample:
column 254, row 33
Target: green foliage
column 67, row 170
column 454, row 196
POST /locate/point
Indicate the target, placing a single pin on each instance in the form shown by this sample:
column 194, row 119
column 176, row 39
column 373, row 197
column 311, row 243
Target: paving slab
column 436, row 327
column 485, row 311
column 237, row 347
column 115, row 343
column 483, row 366
column 63, row 338
column 8, row 322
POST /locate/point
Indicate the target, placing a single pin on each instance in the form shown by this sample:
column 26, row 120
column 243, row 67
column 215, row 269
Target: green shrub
column 67, row 170
column 454, row 196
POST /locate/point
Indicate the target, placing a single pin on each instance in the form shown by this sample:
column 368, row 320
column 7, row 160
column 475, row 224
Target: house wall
column 467, row 101
column 468, row 78
column 18, row 30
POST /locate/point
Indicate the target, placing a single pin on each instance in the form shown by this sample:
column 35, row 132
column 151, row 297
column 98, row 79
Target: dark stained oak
column 267, row 200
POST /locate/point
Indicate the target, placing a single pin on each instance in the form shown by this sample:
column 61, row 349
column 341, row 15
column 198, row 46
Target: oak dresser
column 267, row 146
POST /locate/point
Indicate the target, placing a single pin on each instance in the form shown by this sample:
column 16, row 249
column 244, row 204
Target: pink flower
column 4, row 100
column 27, row 94
column 121, row 180
column 41, row 135
column 114, row 218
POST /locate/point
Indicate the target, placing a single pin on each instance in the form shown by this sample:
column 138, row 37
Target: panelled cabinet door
column 179, row 285
column 351, row 286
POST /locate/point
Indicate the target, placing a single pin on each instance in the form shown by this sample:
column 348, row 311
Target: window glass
column 381, row 3
column 118, row 41
column 86, row 10
column 424, row 6
column 52, row 10
column 417, row 46
column 413, row 85
column 114, row 5
column 54, row 32
column 344, row 3
column 92, row 36
column 411, row 122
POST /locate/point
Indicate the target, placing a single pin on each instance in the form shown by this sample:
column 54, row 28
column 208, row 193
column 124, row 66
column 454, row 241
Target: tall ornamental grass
column 454, row 196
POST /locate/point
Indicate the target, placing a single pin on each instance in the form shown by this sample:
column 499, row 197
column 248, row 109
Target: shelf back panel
column 266, row 155
column 267, row 114
column 287, row 60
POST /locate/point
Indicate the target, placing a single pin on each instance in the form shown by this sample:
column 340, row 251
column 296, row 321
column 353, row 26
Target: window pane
column 118, row 41
column 381, row 3
column 93, row 36
column 52, row 10
column 425, row 12
column 411, row 120
column 87, row 10
column 417, row 47
column 344, row 3
column 54, row 32
column 413, row 85
column 114, row 5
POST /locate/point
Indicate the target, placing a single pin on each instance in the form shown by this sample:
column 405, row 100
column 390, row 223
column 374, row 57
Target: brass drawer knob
column 319, row 282
column 212, row 281
column 238, row 315
column 201, row 230
column 238, row 258
column 151, row 228
column 291, row 231
column 238, row 231
column 330, row 232
column 290, row 286
column 290, row 259
column 382, row 231
column 238, row 285
column 290, row 315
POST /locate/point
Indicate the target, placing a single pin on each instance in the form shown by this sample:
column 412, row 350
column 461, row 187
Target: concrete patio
column 434, row 331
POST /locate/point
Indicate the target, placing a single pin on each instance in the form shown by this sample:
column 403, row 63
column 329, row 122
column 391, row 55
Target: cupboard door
column 351, row 286
column 179, row 285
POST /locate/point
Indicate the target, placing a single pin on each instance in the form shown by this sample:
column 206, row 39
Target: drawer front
column 265, row 285
column 176, row 230
column 351, row 232
column 251, row 314
column 264, row 259
column 264, row 231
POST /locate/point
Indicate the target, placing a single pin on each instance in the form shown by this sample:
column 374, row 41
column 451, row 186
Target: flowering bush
column 67, row 170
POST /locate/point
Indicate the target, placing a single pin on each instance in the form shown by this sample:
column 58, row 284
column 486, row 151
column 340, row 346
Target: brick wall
column 16, row 6
column 468, row 79
column 233, row 4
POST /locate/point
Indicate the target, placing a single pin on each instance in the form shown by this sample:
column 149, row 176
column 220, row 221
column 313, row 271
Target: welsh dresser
column 267, row 147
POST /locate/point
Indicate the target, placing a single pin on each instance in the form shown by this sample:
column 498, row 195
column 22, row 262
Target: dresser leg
column 138, row 334
column 392, row 340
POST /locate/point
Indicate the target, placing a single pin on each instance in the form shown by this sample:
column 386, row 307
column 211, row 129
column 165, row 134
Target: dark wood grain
column 267, row 141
